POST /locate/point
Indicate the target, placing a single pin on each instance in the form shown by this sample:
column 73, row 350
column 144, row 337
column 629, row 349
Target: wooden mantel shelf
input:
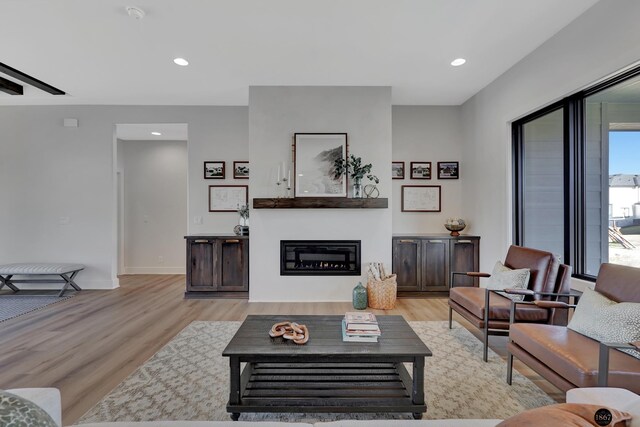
column 320, row 203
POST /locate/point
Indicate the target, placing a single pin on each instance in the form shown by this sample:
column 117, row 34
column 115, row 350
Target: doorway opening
column 151, row 191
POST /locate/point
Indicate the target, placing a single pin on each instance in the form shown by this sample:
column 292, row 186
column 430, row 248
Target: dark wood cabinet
column 217, row 266
column 423, row 263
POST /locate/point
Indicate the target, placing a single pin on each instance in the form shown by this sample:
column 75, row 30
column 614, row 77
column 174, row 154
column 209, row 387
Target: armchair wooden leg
column 450, row 316
column 509, row 368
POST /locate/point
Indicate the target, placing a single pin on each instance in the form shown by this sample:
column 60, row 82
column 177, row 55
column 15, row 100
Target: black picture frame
column 397, row 170
column 420, row 170
column 241, row 169
column 311, row 179
column 448, row 170
column 214, row 169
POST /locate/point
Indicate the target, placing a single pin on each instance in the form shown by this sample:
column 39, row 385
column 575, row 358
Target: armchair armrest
column 603, row 362
column 473, row 274
column 553, row 304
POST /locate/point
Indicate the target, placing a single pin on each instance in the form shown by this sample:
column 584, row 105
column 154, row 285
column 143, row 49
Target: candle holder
column 284, row 187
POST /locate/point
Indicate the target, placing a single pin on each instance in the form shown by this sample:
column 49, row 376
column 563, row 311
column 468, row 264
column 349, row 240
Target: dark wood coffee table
column 326, row 374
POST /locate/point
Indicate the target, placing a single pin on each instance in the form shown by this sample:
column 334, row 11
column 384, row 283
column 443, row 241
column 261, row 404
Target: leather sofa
column 568, row 359
column 546, row 275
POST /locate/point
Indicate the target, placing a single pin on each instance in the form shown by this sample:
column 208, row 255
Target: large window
column 577, row 177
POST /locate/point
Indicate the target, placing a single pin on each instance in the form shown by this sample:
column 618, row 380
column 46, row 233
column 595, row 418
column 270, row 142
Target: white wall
column 155, row 205
column 275, row 114
column 49, row 173
column 427, row 134
column 606, row 38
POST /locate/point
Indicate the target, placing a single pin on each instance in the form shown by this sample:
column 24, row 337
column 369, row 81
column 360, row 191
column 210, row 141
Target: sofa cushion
column 472, row 299
column 574, row 356
column 506, row 278
column 16, row 411
column 566, row 414
column 605, row 320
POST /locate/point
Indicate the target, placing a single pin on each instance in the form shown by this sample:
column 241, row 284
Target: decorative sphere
column 455, row 225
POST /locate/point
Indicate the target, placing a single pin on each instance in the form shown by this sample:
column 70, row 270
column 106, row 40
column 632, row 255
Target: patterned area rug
column 16, row 305
column 188, row 380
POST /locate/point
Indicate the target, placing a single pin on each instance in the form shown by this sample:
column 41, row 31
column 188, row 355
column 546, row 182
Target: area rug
column 16, row 305
column 188, row 380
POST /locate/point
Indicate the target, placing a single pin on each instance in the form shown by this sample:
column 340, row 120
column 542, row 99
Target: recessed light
column 156, row 133
column 181, row 61
column 458, row 62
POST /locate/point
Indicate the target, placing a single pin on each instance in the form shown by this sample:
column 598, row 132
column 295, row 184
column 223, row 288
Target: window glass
column 612, row 171
column 543, row 183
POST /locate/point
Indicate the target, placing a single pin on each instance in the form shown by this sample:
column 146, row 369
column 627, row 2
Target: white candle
column 279, row 173
column 289, row 176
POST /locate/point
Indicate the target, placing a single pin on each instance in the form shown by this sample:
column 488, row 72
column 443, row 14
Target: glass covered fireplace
column 320, row 258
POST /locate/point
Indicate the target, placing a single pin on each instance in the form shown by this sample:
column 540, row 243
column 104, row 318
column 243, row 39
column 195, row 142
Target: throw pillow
column 16, row 411
column 505, row 278
column 604, row 320
column 568, row 414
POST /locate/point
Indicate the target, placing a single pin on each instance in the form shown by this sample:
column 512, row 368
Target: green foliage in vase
column 243, row 211
column 353, row 167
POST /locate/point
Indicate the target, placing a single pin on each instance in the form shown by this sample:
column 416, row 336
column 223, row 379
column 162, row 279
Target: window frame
column 574, row 143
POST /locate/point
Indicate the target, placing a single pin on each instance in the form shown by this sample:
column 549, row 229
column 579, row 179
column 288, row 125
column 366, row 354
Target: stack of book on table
column 360, row 327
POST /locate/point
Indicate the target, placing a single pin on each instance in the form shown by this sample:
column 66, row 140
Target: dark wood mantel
column 320, row 203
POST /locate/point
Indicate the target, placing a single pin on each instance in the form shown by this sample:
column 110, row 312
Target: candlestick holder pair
column 283, row 185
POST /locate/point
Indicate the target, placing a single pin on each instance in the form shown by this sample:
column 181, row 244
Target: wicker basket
column 381, row 294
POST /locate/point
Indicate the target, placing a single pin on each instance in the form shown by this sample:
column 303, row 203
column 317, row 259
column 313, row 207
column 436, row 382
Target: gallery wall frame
column 241, row 169
column 420, row 170
column 227, row 198
column 421, row 198
column 314, row 155
column 214, row 169
column 448, row 170
column 397, row 170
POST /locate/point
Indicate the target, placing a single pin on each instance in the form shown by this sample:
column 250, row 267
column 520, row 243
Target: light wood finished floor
column 87, row 345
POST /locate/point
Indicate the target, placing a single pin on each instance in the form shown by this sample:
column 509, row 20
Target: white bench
column 66, row 271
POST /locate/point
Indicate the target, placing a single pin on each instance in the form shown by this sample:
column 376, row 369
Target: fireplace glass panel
column 320, row 257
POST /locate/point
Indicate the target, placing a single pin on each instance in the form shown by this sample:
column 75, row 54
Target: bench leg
column 69, row 282
column 7, row 281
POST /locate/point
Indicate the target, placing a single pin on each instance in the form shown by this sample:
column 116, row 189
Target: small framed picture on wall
column 241, row 170
column 448, row 170
column 420, row 170
column 421, row 198
column 227, row 198
column 397, row 170
column 213, row 170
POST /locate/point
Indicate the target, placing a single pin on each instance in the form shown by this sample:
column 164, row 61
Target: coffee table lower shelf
column 327, row 387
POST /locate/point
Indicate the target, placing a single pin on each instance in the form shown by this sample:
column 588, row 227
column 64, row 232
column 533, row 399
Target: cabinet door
column 407, row 264
column 435, row 264
column 200, row 270
column 232, row 265
column 465, row 256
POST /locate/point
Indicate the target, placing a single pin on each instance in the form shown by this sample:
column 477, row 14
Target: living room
column 382, row 75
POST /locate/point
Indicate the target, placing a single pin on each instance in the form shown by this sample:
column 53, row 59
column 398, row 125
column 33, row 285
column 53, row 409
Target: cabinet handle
column 232, row 241
column 406, row 241
column 463, row 241
column 435, row 241
column 200, row 241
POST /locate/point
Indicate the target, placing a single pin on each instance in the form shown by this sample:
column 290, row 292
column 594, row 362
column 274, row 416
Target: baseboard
column 154, row 270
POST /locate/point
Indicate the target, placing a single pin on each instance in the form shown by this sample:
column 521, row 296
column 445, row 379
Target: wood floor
column 87, row 345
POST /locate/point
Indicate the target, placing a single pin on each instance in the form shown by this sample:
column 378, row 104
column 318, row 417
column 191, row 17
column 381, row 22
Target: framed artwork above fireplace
column 314, row 156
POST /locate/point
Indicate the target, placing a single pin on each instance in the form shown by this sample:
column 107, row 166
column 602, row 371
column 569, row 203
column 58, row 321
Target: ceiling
column 142, row 132
column 99, row 55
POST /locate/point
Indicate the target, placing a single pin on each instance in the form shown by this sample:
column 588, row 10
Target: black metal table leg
column 6, row 281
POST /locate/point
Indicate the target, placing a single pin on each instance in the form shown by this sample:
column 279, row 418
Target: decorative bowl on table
column 455, row 226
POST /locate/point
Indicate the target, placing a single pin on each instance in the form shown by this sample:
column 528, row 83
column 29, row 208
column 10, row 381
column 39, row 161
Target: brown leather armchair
column 568, row 359
column 477, row 304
